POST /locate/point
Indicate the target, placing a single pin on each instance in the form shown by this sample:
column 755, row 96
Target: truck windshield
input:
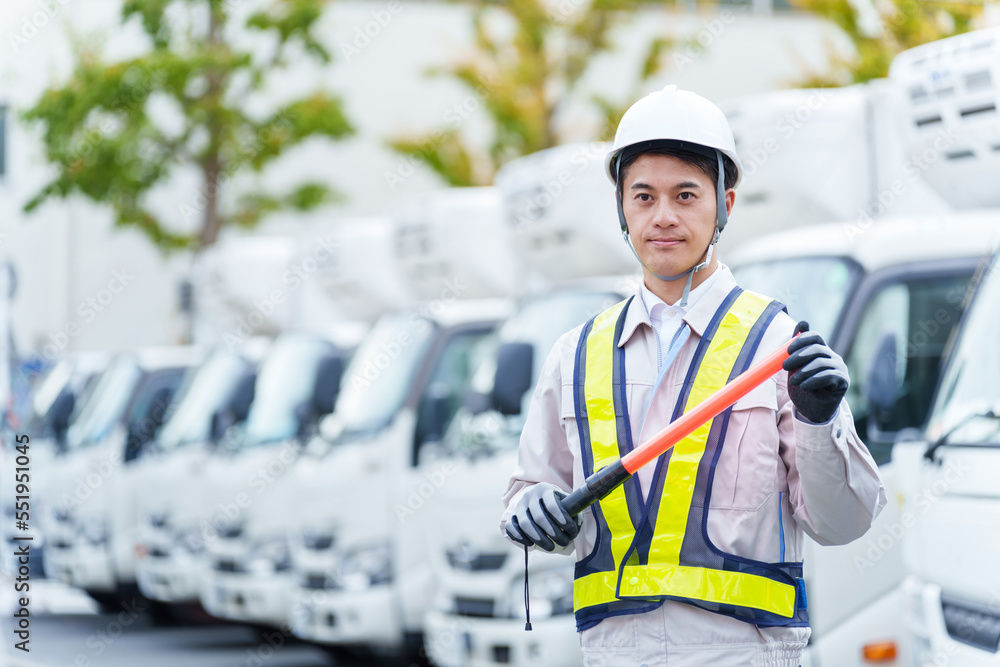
column 381, row 371
column 286, row 380
column 814, row 289
column 203, row 393
column 53, row 384
column 103, row 407
column 539, row 321
column 970, row 386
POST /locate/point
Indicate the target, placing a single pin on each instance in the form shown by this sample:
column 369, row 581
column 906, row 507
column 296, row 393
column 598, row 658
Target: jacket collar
column 698, row 316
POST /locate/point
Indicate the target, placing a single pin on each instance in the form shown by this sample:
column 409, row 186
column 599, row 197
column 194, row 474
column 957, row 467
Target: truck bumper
column 249, row 598
column 82, row 565
column 170, row 579
column 463, row 641
column 368, row 617
column 932, row 643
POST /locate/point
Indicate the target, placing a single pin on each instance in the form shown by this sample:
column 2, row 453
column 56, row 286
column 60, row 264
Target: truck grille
column 314, row 582
column 478, row 607
column 477, row 562
column 971, row 624
column 317, row 542
column 228, row 566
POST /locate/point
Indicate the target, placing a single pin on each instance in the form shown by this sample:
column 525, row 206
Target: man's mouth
column 666, row 243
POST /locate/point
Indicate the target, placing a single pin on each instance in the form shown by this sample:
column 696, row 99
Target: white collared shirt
column 667, row 319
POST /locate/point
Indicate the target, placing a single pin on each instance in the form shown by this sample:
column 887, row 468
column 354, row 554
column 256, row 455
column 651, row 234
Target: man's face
column 670, row 209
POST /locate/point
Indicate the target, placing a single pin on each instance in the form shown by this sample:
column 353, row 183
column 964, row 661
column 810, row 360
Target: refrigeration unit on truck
column 822, row 155
column 90, row 529
column 950, row 519
column 50, row 407
column 888, row 296
column 214, row 398
column 950, row 118
column 360, row 556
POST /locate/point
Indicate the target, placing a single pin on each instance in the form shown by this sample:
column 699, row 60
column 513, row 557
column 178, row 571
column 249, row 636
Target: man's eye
column 686, row 196
column 643, row 196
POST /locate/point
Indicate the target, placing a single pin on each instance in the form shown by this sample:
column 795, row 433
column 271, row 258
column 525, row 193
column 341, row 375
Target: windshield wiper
column 990, row 413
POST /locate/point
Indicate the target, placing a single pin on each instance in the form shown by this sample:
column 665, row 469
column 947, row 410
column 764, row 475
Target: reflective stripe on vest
column 630, row 568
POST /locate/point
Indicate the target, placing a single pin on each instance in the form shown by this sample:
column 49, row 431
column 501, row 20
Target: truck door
column 907, row 313
column 443, row 390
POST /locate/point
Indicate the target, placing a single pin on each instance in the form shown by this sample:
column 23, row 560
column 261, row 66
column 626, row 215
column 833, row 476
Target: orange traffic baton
column 607, row 479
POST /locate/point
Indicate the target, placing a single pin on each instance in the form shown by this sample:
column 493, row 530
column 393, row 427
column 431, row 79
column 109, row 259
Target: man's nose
column 665, row 214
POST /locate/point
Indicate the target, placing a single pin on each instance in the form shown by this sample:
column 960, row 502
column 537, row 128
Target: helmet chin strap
column 720, row 223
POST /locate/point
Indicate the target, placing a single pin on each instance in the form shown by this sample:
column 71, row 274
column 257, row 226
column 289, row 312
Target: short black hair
column 707, row 165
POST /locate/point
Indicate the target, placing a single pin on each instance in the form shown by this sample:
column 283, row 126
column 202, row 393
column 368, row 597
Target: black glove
column 817, row 376
column 539, row 520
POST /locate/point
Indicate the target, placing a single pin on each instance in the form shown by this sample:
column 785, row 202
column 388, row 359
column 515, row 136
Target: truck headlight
column 550, row 593
column 362, row 567
column 95, row 532
column 269, row 556
column 191, row 541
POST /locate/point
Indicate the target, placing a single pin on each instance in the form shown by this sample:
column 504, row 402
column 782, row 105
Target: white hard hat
column 674, row 115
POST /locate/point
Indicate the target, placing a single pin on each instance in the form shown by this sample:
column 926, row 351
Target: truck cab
column 887, row 300
column 46, row 421
column 950, row 500
column 360, row 558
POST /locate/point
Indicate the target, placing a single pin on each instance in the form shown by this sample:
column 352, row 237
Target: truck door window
column 970, row 386
column 448, row 385
column 149, row 408
column 920, row 313
column 813, row 289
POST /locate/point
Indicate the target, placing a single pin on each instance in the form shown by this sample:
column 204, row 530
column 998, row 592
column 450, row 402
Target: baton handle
column 610, row 477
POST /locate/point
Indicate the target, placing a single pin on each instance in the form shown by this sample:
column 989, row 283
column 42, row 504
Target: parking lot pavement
column 66, row 630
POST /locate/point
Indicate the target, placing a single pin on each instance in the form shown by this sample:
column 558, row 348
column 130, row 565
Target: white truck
column 344, row 286
column 359, row 559
column 296, row 384
column 214, row 398
column 893, row 293
column 90, row 530
column 950, row 516
column 45, row 424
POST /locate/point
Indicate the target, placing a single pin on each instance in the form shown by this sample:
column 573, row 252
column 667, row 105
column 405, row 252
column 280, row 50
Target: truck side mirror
column 221, row 421
column 513, row 377
column 880, row 389
column 61, row 411
column 144, row 430
column 327, row 385
column 242, row 398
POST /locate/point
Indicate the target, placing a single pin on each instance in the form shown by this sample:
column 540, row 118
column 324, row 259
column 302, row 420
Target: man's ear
column 730, row 200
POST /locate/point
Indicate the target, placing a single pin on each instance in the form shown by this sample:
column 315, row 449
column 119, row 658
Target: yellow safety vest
column 644, row 555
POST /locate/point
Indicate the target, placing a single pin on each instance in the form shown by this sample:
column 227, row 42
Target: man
column 695, row 560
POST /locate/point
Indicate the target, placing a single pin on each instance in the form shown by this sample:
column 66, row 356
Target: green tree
column 886, row 29
column 523, row 79
column 116, row 130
